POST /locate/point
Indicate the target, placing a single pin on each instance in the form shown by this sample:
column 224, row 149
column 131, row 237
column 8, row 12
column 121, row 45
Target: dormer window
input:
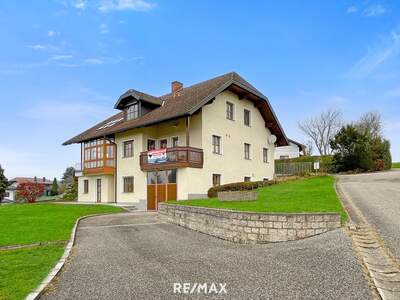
column 132, row 111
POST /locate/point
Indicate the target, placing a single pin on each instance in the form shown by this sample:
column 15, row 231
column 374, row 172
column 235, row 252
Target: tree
column 370, row 123
column 68, row 176
column 71, row 191
column 322, row 129
column 30, row 191
column 309, row 148
column 54, row 188
column 3, row 184
column 352, row 150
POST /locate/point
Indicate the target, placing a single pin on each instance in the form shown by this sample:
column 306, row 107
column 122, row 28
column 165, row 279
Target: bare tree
column 370, row 123
column 322, row 129
column 309, row 148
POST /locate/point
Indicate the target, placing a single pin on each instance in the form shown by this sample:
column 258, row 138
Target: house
column 178, row 145
column 15, row 182
column 293, row 150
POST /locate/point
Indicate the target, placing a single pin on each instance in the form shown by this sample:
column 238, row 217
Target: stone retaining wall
column 238, row 196
column 250, row 227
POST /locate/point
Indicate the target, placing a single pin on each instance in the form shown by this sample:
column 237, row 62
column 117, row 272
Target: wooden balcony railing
column 176, row 157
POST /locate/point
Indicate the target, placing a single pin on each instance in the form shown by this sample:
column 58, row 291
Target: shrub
column 71, row 192
column 29, row 191
column 325, row 161
column 238, row 186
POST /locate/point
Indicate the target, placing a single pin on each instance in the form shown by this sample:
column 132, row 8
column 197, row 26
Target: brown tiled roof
column 186, row 102
column 20, row 180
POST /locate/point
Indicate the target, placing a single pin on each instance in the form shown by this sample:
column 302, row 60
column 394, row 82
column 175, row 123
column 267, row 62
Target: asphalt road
column 377, row 195
column 136, row 256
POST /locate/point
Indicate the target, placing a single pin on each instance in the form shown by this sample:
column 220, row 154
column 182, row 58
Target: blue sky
column 63, row 64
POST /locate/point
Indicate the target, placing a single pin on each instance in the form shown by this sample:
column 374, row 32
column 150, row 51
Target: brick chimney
column 44, row 179
column 176, row 86
column 35, row 179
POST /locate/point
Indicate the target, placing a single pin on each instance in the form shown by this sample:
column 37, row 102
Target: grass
column 30, row 223
column 396, row 165
column 315, row 194
column 21, row 270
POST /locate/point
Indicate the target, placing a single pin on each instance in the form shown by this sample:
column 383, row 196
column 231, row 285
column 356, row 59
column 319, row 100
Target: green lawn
column 30, row 223
column 315, row 194
column 21, row 270
column 396, row 165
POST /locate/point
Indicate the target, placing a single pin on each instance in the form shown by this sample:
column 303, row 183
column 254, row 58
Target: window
column 247, row 178
column 7, row 194
column 86, row 186
column 265, row 179
column 246, row 151
column 128, row 148
column 175, row 141
column 216, row 179
column 151, row 144
column 132, row 112
column 128, row 184
column 229, row 111
column 163, row 143
column 265, row 155
column 284, row 157
column 216, row 142
column 246, row 117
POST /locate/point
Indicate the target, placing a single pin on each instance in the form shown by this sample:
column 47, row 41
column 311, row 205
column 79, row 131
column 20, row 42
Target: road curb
column 381, row 269
column 38, row 291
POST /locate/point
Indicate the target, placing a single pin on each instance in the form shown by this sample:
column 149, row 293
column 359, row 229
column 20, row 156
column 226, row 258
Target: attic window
column 110, row 124
column 132, row 112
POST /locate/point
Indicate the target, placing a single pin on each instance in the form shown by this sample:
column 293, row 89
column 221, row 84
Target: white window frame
column 220, row 178
column 244, row 123
column 244, row 151
column 233, row 110
column 265, row 148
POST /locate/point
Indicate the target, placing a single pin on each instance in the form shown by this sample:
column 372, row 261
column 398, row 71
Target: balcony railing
column 98, row 157
column 176, row 157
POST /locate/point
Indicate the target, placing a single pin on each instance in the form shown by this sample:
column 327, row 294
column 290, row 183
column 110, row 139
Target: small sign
column 157, row 156
column 316, row 165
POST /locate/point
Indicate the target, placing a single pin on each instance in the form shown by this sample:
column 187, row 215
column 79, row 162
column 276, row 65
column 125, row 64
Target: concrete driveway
column 377, row 195
column 137, row 256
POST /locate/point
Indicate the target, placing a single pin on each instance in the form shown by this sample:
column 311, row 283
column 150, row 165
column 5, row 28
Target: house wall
column 231, row 163
column 291, row 151
column 107, row 188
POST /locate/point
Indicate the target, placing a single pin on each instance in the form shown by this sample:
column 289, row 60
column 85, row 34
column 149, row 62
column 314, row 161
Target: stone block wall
column 250, row 227
column 238, row 196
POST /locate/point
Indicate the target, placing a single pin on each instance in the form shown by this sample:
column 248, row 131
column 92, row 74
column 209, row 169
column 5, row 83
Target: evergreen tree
column 3, row 184
column 68, row 176
column 54, row 188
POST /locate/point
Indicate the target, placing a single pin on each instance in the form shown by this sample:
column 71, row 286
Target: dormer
column 136, row 104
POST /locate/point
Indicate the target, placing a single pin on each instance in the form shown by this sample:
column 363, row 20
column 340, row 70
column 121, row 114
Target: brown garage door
column 161, row 186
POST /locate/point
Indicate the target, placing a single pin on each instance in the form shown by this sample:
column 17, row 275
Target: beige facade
column 210, row 120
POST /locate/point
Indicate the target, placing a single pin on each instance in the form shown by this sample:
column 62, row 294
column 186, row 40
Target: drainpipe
column 116, row 169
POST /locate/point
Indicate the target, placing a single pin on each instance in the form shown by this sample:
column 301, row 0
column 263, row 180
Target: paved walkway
column 136, row 256
column 377, row 195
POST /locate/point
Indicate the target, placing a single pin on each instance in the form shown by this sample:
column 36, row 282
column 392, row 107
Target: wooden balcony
column 176, row 157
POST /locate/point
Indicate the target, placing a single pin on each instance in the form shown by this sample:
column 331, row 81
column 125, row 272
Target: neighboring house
column 294, row 150
column 178, row 145
column 15, row 182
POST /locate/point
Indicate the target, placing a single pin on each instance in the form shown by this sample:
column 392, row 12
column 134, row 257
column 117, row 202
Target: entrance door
column 98, row 190
column 161, row 187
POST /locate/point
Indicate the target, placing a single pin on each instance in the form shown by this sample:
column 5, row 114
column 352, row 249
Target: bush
column 71, row 192
column 238, row 186
column 325, row 164
column 29, row 191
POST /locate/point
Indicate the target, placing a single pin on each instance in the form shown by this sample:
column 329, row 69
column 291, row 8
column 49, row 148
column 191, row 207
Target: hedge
column 326, row 164
column 238, row 186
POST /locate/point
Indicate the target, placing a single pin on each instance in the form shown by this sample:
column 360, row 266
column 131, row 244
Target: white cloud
column 60, row 57
column 104, row 28
column 93, row 61
column 388, row 48
column 136, row 5
column 37, row 47
column 375, row 10
column 352, row 9
column 51, row 33
column 79, row 4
